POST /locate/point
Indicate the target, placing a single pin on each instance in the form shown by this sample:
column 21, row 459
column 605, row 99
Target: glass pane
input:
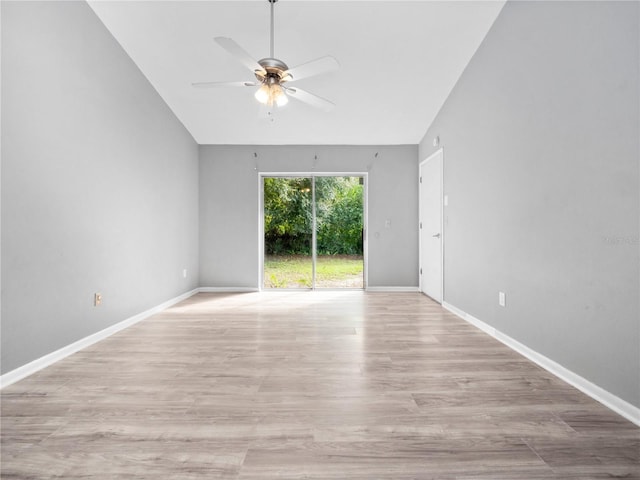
column 288, row 224
column 339, row 228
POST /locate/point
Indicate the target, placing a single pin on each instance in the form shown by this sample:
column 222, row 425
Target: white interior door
column 431, row 231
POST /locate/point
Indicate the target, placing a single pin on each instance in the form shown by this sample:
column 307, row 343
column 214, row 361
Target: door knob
column 437, row 235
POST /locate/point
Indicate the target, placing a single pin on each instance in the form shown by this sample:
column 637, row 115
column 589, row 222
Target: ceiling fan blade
column 239, row 53
column 310, row 98
column 314, row 67
column 223, row 84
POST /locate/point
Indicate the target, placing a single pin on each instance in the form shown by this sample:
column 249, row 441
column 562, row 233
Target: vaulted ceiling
column 399, row 60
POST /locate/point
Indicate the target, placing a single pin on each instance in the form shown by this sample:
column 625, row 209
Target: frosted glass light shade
column 263, row 94
column 279, row 96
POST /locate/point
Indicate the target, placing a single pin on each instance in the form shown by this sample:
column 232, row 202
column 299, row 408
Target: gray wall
column 541, row 157
column 229, row 207
column 99, row 183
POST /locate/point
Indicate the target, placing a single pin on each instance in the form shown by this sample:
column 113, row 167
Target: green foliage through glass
column 288, row 216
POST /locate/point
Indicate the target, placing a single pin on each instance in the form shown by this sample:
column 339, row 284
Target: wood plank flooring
column 313, row 385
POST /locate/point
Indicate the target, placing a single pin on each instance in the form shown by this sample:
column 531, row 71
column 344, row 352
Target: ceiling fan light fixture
column 271, row 94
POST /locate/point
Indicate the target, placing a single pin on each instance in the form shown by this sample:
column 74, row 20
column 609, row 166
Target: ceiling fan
column 273, row 75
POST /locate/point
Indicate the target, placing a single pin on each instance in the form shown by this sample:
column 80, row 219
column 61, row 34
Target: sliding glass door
column 313, row 229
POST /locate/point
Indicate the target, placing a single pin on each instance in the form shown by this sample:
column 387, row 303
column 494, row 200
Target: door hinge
column 421, row 271
column 420, row 224
column 420, row 179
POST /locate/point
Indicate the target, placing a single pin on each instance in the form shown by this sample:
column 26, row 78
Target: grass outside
column 295, row 271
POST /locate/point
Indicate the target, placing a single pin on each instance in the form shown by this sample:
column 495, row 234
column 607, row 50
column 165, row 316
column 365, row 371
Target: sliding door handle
column 437, row 235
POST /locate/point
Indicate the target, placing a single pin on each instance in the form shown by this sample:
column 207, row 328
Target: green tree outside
column 288, row 215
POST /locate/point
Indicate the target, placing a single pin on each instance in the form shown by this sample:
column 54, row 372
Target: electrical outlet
column 502, row 299
column 97, row 299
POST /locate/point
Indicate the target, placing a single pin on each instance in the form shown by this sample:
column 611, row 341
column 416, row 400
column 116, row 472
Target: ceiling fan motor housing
column 276, row 70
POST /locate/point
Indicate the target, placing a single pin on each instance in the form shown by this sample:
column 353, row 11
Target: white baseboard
column 392, row 289
column 227, row 289
column 49, row 359
column 608, row 399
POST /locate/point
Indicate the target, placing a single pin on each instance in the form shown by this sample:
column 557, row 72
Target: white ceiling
column 399, row 61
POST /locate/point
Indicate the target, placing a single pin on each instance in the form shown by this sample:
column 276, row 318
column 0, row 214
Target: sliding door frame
column 313, row 175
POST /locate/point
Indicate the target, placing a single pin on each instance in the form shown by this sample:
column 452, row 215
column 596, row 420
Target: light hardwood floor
column 315, row 385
